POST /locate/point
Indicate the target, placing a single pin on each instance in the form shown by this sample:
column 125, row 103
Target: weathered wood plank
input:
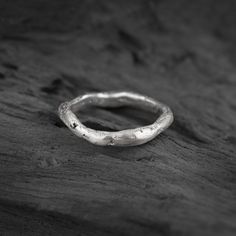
column 180, row 52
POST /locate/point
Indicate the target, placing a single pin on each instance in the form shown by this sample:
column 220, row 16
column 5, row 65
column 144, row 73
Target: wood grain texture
column 180, row 52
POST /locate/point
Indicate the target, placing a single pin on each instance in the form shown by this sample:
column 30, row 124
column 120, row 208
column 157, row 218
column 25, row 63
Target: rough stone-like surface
column 180, row 52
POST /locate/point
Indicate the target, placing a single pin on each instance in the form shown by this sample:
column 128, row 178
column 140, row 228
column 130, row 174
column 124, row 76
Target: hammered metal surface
column 128, row 137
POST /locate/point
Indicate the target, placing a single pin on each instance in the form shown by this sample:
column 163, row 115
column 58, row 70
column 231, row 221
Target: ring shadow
column 116, row 119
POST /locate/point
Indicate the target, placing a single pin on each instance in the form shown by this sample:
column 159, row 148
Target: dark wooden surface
column 180, row 52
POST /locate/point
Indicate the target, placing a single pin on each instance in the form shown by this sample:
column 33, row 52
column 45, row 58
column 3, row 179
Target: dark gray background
column 182, row 52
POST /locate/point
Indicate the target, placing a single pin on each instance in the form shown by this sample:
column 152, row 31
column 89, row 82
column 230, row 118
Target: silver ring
column 128, row 137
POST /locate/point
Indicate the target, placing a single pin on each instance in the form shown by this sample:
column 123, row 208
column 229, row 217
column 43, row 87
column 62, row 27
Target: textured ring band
column 128, row 137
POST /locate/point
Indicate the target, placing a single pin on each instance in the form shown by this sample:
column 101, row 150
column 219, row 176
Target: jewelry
column 128, row 137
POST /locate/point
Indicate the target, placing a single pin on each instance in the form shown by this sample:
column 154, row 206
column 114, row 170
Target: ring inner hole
column 115, row 116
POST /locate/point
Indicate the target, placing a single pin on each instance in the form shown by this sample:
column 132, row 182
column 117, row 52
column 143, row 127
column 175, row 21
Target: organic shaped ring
column 128, row 137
